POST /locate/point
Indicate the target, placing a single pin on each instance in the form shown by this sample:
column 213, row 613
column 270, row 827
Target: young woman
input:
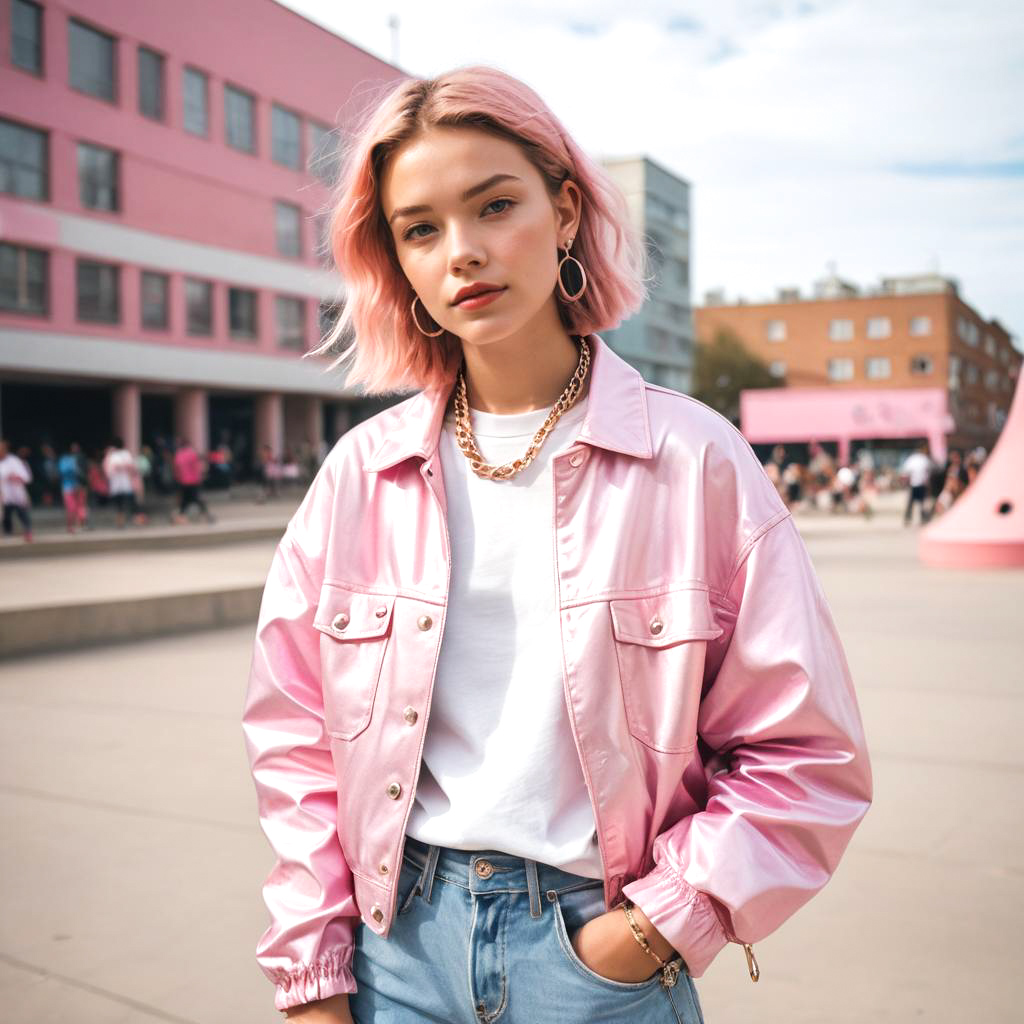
column 638, row 741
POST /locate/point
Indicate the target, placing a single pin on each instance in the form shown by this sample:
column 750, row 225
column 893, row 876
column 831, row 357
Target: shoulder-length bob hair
column 391, row 354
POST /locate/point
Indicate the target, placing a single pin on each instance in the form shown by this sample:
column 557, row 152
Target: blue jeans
column 480, row 936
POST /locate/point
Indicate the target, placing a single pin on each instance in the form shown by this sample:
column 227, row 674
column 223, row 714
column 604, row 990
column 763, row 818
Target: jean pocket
column 572, row 909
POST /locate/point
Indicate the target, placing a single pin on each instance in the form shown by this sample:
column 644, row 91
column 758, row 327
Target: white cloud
column 797, row 123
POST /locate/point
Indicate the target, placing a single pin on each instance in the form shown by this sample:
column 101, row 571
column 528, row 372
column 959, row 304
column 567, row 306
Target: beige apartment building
column 906, row 333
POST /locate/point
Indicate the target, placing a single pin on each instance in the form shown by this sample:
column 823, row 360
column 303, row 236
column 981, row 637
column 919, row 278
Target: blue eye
column 409, row 236
column 409, row 232
column 508, row 203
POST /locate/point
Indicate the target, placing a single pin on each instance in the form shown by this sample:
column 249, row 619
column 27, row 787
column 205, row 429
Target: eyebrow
column 494, row 179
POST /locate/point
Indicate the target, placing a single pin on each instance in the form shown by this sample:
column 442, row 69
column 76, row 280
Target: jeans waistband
column 491, row 871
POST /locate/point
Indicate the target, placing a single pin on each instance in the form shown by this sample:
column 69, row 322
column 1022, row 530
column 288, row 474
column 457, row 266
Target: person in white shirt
column 122, row 473
column 14, row 474
column 917, row 469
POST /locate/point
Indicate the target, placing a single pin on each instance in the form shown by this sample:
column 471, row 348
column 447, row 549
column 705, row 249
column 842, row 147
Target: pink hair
column 391, row 354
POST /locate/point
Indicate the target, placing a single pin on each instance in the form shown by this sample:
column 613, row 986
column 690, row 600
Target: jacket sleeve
column 784, row 752
column 307, row 949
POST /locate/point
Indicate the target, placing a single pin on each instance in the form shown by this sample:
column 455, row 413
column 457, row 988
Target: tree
column 723, row 368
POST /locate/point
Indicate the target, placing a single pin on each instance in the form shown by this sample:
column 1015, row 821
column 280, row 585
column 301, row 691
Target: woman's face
column 480, row 213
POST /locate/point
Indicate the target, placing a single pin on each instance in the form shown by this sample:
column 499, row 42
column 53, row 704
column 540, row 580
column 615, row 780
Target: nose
column 464, row 250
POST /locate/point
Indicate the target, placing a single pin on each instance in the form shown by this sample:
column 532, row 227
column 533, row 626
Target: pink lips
column 480, row 299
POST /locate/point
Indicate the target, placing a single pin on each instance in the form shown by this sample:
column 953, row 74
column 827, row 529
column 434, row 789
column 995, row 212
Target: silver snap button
column 383, row 869
column 577, row 459
column 484, row 868
column 410, row 715
column 394, row 791
column 340, row 620
column 376, row 913
column 656, row 625
column 381, row 611
column 424, row 622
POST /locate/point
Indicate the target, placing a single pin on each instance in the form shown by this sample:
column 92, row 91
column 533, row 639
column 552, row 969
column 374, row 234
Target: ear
column 568, row 205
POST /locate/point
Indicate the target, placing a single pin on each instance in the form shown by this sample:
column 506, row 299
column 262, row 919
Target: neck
column 523, row 372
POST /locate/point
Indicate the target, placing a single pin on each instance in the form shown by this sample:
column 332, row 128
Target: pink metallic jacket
column 706, row 687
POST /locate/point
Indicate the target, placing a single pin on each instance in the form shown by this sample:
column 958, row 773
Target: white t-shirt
column 917, row 467
column 14, row 474
column 500, row 767
column 119, row 467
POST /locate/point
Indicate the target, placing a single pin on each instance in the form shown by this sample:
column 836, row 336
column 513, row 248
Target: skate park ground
column 133, row 858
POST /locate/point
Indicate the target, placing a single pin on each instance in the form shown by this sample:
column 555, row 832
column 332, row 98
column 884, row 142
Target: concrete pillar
column 269, row 423
column 192, row 418
column 127, row 418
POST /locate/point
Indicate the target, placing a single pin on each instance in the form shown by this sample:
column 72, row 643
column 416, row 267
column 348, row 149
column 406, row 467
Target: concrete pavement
column 133, row 858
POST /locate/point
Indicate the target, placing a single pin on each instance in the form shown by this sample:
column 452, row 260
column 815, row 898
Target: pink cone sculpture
column 985, row 526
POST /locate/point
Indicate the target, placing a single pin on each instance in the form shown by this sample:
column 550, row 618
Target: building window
column 840, row 369
column 1004, row 356
column 990, row 345
column 24, row 276
column 967, row 330
column 27, row 36
column 151, row 83
column 878, row 367
column 953, row 381
column 97, row 177
column 99, row 291
column 239, row 119
column 992, row 380
column 92, row 56
column 242, row 315
column 970, row 373
column 323, row 153
column 840, row 330
column 24, row 161
column 291, row 322
column 680, row 270
column 920, row 366
column 286, row 137
column 198, row 306
column 196, row 89
column 288, row 228
column 920, row 325
column 777, row 368
column 879, row 327
column 155, row 304
column 775, row 330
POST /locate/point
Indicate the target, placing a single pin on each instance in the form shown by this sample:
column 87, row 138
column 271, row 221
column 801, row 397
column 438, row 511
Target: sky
column 884, row 138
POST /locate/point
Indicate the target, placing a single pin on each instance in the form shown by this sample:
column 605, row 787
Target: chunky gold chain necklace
column 464, row 430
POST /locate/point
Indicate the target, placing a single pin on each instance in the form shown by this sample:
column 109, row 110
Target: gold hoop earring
column 416, row 321
column 572, row 278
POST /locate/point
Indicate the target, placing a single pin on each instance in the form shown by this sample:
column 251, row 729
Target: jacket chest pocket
column 660, row 643
column 354, row 632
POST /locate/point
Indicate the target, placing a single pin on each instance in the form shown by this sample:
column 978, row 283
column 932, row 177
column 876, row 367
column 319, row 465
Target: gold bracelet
column 638, row 934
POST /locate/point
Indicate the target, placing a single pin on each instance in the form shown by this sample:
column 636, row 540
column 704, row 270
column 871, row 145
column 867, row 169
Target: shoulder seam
column 754, row 537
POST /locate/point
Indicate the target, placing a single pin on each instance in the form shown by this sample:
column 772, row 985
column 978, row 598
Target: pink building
column 164, row 173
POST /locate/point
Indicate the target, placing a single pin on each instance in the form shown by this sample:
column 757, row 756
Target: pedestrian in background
column 916, row 470
column 188, row 471
column 72, row 470
column 15, row 476
column 122, row 474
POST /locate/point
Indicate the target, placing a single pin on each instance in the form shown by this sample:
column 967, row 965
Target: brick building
column 910, row 348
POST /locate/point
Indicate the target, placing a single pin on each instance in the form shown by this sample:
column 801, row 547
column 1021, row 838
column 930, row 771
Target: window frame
column 74, row 23
column 290, row 301
column 188, row 73
column 22, row 254
column 82, row 262
column 236, row 333
column 236, row 90
column 40, row 70
column 161, row 116
column 44, row 172
column 279, row 110
column 208, row 331
column 832, row 335
column 115, row 188
column 165, row 323
column 279, row 206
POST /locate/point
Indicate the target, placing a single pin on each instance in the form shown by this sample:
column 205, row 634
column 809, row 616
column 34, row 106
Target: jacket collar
column 616, row 418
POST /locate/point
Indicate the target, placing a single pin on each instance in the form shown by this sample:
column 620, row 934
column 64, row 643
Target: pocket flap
column 352, row 615
column 663, row 619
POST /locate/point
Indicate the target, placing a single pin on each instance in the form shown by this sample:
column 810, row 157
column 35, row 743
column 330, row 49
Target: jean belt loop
column 429, row 870
column 533, row 884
